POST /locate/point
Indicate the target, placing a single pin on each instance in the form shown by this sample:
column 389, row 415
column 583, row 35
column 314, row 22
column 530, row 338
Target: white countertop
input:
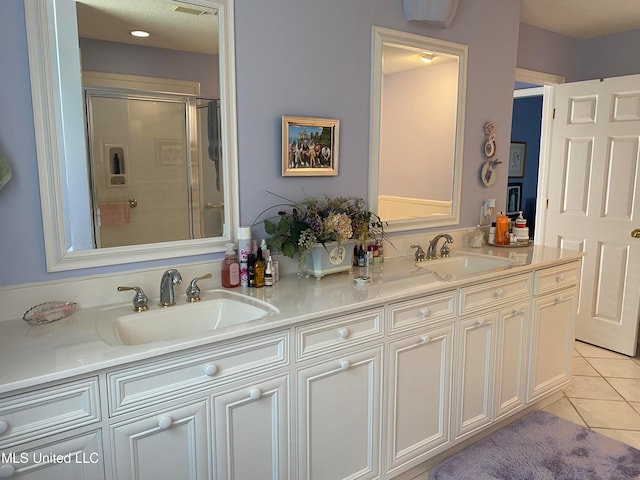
column 32, row 355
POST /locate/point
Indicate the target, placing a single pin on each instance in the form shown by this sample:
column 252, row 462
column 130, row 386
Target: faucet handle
column 193, row 291
column 445, row 250
column 419, row 255
column 139, row 299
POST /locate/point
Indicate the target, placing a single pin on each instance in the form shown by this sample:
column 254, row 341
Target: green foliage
column 319, row 221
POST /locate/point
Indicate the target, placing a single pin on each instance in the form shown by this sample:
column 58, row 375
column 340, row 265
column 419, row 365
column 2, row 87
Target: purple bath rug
column 541, row 446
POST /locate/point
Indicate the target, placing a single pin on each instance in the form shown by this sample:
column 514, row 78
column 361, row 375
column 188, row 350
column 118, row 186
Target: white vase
column 332, row 257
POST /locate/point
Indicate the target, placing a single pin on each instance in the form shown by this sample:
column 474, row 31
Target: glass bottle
column 258, row 269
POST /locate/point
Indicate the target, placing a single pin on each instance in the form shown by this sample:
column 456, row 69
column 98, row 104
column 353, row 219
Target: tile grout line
column 606, row 379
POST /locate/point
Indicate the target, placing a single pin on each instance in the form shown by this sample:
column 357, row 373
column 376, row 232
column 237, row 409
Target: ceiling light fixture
column 427, row 57
column 140, row 33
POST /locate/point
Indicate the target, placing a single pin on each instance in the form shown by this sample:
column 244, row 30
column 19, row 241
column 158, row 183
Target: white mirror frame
column 380, row 36
column 60, row 143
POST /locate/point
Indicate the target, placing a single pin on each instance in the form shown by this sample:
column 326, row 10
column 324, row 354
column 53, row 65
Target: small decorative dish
column 361, row 280
column 514, row 245
column 48, row 312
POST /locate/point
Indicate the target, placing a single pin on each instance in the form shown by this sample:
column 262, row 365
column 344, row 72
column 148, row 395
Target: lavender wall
column 112, row 57
column 301, row 57
column 610, row 56
column 548, row 52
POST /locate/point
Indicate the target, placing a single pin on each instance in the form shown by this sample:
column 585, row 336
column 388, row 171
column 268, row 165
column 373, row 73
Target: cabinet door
column 251, row 431
column 78, row 458
column 419, row 394
column 170, row 444
column 339, row 418
column 552, row 337
column 511, row 357
column 473, row 373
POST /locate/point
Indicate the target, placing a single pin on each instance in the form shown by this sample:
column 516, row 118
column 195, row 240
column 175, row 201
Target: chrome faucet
column 169, row 278
column 433, row 244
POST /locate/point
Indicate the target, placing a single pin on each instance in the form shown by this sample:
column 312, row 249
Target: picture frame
column 310, row 146
column 517, row 153
column 514, row 198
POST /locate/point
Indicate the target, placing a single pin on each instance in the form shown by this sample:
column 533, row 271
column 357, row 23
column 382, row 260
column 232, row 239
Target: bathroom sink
column 464, row 265
column 218, row 309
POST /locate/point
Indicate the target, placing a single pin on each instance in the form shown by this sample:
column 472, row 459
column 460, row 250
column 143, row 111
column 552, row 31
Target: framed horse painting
column 309, row 146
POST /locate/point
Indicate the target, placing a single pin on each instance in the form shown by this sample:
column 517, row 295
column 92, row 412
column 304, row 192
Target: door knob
column 636, row 233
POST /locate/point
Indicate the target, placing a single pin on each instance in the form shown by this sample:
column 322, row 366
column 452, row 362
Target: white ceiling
column 113, row 19
column 582, row 19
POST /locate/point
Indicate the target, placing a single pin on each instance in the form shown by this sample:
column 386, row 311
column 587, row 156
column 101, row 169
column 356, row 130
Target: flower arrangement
column 324, row 220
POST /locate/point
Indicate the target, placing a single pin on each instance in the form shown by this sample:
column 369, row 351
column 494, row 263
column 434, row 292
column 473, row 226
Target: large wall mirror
column 137, row 149
column 418, row 87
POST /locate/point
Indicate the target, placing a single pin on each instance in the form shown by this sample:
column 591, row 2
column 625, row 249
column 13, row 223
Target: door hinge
column 547, row 206
column 553, row 116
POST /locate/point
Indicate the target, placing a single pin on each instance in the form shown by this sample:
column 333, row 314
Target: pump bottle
column 230, row 268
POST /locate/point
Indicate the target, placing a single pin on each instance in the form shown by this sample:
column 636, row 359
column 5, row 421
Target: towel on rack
column 114, row 213
column 5, row 171
column 213, row 135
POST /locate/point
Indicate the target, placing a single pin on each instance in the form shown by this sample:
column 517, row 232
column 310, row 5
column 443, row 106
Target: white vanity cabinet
column 512, row 351
column 250, row 426
column 338, row 397
column 483, row 342
column 473, row 373
column 170, row 443
column 419, row 376
column 552, row 334
column 52, row 432
column 369, row 393
column 220, row 411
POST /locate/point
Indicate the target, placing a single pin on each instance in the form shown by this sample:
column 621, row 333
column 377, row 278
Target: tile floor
column 604, row 394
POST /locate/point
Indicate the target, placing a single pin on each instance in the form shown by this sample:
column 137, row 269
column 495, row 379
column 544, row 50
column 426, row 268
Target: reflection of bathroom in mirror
column 418, row 91
column 158, row 175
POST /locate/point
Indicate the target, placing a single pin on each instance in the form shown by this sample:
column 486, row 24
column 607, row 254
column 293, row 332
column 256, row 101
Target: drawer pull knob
column 210, row 370
column 164, row 423
column 480, row 323
column 560, row 277
column 425, row 312
column 558, row 299
column 343, row 332
column 255, row 393
column 344, row 365
column 425, row 339
column 4, row 426
column 499, row 293
column 7, row 471
column 518, row 311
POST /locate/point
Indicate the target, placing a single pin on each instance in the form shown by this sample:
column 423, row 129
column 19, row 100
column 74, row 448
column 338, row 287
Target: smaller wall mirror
column 418, row 87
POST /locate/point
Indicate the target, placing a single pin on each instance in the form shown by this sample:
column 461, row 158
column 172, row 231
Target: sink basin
column 217, row 310
column 464, row 265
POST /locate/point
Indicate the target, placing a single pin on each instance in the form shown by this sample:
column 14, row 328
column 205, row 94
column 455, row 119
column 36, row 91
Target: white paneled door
column 594, row 202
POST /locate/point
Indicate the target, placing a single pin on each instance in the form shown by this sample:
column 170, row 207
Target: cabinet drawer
column 487, row 295
column 48, row 411
column 562, row 276
column 180, row 375
column 336, row 334
column 422, row 311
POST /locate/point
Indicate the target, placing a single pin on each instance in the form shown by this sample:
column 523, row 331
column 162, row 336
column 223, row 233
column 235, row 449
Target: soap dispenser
column 230, row 273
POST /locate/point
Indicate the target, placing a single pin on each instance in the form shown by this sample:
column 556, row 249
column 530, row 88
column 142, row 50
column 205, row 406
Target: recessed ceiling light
column 427, row 57
column 140, row 33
